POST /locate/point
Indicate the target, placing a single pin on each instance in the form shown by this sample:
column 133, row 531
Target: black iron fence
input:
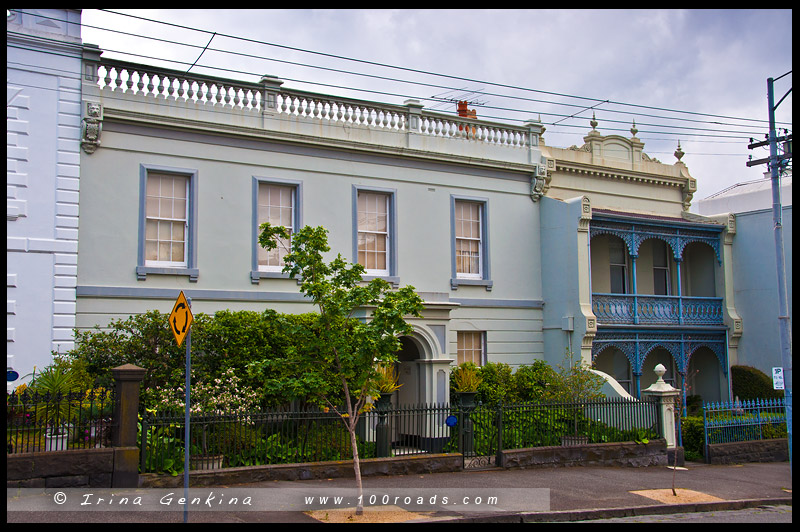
column 38, row 422
column 313, row 435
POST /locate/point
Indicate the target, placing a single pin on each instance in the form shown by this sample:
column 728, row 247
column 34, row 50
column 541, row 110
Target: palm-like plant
column 54, row 385
column 386, row 378
column 466, row 378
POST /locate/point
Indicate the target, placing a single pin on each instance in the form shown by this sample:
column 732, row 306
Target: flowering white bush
column 224, row 395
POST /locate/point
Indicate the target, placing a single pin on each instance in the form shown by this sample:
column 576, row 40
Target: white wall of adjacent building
column 43, row 154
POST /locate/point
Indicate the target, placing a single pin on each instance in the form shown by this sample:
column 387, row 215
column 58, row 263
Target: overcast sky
column 513, row 64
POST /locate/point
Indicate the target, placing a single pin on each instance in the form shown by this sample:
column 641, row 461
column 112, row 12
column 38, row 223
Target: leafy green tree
column 340, row 357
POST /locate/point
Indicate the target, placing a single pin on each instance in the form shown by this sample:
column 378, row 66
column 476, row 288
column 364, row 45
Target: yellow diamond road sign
column 180, row 319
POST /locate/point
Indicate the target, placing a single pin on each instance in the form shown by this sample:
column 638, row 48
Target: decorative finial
column 679, row 151
column 660, row 370
column 634, row 131
column 593, row 122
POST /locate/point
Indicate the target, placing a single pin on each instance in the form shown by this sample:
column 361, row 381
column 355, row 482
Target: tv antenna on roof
column 457, row 95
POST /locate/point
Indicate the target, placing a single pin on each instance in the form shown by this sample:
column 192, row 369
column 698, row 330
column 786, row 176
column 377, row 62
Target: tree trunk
column 351, row 427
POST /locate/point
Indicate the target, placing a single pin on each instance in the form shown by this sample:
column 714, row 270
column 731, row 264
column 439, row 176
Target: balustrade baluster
column 116, row 81
column 170, row 88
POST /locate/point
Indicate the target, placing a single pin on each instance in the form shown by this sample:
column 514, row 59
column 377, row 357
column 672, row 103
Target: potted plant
column 55, row 407
column 465, row 382
column 386, row 383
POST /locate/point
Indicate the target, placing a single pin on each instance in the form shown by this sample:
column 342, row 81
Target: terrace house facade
column 513, row 245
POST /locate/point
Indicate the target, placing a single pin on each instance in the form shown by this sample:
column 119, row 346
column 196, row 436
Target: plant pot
column 384, row 401
column 56, row 441
column 382, row 434
column 467, row 399
column 574, row 441
column 206, row 461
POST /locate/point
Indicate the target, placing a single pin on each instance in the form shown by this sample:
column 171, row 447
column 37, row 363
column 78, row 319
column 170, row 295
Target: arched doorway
column 422, row 373
column 408, row 372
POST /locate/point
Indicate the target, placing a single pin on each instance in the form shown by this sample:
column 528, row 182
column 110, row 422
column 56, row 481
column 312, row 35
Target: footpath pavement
column 530, row 495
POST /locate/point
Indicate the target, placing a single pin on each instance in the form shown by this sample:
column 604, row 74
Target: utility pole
column 776, row 163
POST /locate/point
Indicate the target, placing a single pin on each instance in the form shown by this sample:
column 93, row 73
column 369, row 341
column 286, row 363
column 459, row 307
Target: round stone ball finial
column 660, row 370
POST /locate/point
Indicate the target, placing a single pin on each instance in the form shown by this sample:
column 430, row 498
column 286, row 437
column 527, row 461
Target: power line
column 514, row 110
column 418, row 71
column 740, row 135
column 385, row 78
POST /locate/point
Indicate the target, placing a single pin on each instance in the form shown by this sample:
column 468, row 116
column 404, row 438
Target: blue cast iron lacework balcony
column 637, row 309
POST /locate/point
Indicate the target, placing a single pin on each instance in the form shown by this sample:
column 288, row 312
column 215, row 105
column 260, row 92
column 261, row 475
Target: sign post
column 180, row 322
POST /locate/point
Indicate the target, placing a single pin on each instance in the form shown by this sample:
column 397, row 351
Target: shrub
column 534, row 382
column 574, row 381
column 693, row 437
column 251, row 344
column 749, row 383
column 694, row 405
column 496, row 384
column 144, row 340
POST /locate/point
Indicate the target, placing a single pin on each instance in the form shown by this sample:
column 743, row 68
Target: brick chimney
column 464, row 112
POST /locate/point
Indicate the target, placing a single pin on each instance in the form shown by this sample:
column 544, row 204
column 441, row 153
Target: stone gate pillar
column 127, row 379
column 667, row 398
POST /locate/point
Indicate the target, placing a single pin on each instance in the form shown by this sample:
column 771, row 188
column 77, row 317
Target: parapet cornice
column 259, row 133
column 609, row 172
